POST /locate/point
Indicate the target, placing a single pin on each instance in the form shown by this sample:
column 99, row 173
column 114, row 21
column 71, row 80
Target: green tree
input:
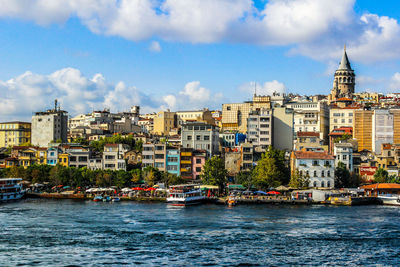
column 271, row 169
column 342, row 176
column 214, row 173
column 298, row 180
column 381, row 176
column 136, row 176
column 245, row 178
column 151, row 175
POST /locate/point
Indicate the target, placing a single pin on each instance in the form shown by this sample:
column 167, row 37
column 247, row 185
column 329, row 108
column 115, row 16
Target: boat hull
column 185, row 201
column 5, row 197
column 390, row 200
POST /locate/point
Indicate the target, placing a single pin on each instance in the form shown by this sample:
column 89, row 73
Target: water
column 84, row 233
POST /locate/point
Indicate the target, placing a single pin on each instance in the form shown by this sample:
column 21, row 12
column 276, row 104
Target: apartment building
column 172, row 160
column 343, row 152
column 160, row 152
column 148, row 155
column 259, row 128
column 201, row 136
column 14, row 133
column 164, row 122
column 113, row 156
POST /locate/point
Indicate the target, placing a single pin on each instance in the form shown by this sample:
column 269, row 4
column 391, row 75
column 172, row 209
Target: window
column 315, row 173
column 206, row 138
column 189, row 137
column 198, row 161
column 344, row 157
column 198, row 137
column 315, row 184
column 198, row 169
column 328, row 184
column 172, row 159
column 322, row 184
column 322, row 173
column 328, row 174
column 315, row 163
column 172, row 167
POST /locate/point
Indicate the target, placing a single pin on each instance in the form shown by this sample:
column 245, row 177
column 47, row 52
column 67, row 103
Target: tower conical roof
column 345, row 63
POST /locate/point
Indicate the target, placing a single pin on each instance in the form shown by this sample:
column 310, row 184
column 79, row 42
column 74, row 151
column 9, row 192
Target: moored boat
column 11, row 189
column 98, row 198
column 184, row 195
column 388, row 199
column 106, row 199
column 116, row 199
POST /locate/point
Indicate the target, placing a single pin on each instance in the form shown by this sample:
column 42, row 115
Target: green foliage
column 245, row 178
column 345, row 179
column 299, row 181
column 115, row 139
column 81, row 141
column 151, row 175
column 214, row 172
column 344, row 137
column 381, row 176
column 271, row 169
column 171, row 179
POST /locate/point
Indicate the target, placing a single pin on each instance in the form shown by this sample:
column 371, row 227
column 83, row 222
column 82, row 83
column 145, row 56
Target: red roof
column 381, row 186
column 342, row 131
column 308, row 134
column 312, row 155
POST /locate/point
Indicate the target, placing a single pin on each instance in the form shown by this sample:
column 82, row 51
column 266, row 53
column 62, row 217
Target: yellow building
column 234, row 115
column 14, row 133
column 63, row 159
column 41, row 155
column 27, row 157
column 362, row 129
column 164, row 122
column 196, row 115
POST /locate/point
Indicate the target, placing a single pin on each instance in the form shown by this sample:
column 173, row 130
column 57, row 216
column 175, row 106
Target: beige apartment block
column 164, row 122
column 341, row 117
column 14, row 133
column 235, row 115
column 204, row 115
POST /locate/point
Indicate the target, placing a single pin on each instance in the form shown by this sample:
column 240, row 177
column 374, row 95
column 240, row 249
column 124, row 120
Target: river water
column 84, row 233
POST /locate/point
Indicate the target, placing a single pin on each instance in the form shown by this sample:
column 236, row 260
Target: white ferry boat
column 11, row 189
column 389, row 199
column 184, row 195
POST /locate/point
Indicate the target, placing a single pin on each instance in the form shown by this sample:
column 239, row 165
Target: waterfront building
column 14, row 133
column 49, row 126
column 53, row 155
column 317, row 164
column 233, row 160
column 133, row 157
column 234, row 115
column 78, row 156
column 388, row 158
column 201, row 136
column 198, row 161
column 113, row 156
column 164, row 122
column 172, row 161
column 247, row 156
column 148, row 155
column 362, row 129
column 339, row 133
column 259, row 128
column 343, row 152
column 96, row 162
column 344, row 80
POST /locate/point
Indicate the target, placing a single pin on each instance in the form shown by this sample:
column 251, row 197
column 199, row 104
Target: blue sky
column 179, row 62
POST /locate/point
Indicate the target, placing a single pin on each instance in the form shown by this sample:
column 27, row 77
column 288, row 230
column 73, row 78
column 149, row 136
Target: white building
column 311, row 117
column 113, row 156
column 344, row 153
column 259, row 128
column 201, row 136
column 319, row 166
column 341, row 117
column 382, row 130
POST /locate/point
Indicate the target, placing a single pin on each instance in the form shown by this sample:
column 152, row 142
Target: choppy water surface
column 64, row 232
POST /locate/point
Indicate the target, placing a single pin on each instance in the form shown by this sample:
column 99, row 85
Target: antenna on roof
column 255, row 89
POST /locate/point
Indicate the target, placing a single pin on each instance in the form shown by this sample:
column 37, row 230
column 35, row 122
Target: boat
column 185, row 195
column 106, row 199
column 389, row 199
column 98, row 198
column 11, row 189
column 231, row 201
column 115, row 199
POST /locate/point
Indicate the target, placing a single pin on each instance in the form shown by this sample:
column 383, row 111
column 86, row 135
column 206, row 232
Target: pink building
column 199, row 158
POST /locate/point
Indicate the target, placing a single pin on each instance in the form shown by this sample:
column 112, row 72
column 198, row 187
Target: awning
column 236, row 186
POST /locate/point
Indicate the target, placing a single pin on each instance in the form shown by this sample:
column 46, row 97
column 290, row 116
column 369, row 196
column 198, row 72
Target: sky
column 187, row 54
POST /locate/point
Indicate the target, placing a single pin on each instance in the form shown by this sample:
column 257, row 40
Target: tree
column 245, row 178
column 298, row 180
column 136, row 176
column 151, row 175
column 271, row 169
column 214, row 173
column 342, row 176
column 381, row 176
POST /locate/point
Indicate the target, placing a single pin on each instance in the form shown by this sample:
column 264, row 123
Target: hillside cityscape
column 345, row 139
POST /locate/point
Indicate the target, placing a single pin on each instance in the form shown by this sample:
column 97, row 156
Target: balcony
column 186, row 162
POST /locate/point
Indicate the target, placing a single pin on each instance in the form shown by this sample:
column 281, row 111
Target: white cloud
column 267, row 88
column 76, row 93
column 192, row 96
column 395, row 82
column 155, row 47
column 313, row 28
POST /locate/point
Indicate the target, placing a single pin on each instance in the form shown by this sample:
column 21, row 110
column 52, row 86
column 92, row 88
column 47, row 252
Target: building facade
column 200, row 136
column 259, row 128
column 14, row 133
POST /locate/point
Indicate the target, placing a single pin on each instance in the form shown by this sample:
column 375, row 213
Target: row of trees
column 271, row 171
column 115, row 139
column 60, row 175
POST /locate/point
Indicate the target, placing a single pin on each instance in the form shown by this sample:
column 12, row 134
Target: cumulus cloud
column 267, row 88
column 155, row 47
column 76, row 93
column 395, row 82
column 313, row 28
column 192, row 96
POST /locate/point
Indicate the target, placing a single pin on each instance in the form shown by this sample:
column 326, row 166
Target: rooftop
column 381, row 186
column 312, row 155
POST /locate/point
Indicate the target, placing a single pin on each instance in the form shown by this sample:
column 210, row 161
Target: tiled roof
column 312, row 155
column 381, row 186
column 306, row 134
